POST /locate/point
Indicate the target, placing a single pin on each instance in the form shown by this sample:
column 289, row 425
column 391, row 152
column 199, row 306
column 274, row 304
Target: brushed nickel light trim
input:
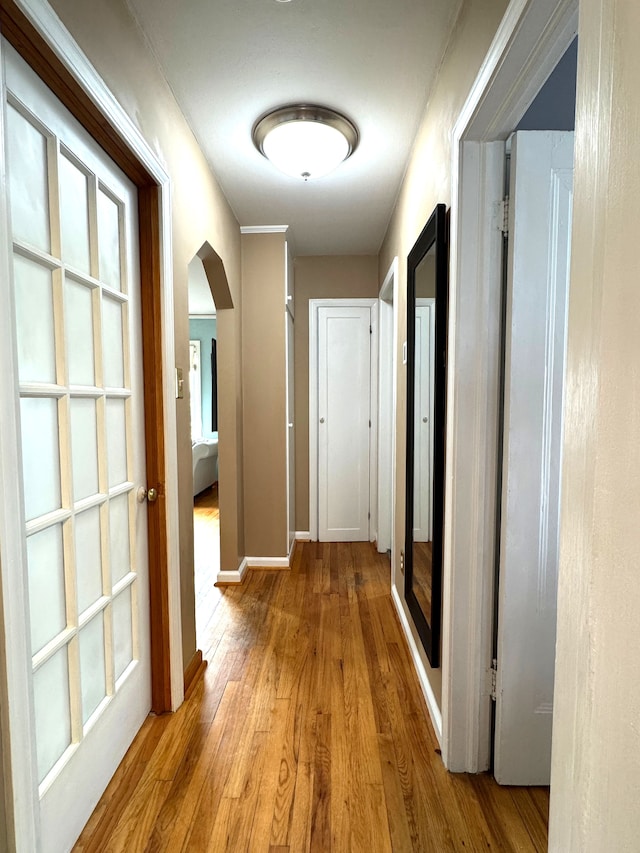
column 305, row 113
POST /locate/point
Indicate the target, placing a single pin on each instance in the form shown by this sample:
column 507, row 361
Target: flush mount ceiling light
column 304, row 140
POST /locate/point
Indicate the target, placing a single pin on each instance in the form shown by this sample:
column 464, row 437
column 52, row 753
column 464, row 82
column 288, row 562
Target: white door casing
column 540, row 204
column 386, row 410
column 290, row 427
column 81, row 577
column 340, row 419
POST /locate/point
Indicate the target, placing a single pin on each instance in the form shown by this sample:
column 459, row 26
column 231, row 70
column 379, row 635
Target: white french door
column 81, row 538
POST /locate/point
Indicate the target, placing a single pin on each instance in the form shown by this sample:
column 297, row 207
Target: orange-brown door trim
column 19, row 32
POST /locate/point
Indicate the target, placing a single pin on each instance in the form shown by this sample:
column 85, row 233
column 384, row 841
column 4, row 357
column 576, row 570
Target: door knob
column 151, row 495
column 321, row 420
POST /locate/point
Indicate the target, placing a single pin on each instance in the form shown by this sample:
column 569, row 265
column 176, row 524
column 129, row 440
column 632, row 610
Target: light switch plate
column 179, row 383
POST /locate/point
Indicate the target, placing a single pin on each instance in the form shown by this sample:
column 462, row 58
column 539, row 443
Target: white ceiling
column 229, row 61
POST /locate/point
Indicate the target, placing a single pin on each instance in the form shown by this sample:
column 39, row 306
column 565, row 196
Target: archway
column 209, row 295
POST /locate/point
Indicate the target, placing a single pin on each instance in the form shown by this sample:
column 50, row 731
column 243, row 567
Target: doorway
column 208, row 293
column 343, row 377
column 494, row 109
column 72, row 543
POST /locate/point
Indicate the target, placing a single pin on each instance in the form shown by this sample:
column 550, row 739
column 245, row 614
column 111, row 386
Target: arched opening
column 208, row 295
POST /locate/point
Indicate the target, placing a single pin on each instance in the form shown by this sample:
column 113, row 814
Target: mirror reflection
column 425, row 314
column 426, row 381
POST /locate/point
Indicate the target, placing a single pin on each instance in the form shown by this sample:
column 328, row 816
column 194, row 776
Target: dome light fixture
column 305, row 140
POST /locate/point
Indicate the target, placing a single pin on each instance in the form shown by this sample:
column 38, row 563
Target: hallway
column 308, row 732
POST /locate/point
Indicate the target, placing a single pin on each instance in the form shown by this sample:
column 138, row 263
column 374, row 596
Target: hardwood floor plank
column 308, row 732
column 261, row 830
column 194, row 783
column 399, row 829
column 321, row 791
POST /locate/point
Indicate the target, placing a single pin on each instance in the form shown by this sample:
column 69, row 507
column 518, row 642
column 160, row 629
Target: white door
column 344, row 423
column 537, row 289
column 75, row 337
column 423, row 426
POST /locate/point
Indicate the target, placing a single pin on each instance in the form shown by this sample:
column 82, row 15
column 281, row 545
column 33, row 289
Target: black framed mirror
column 427, row 285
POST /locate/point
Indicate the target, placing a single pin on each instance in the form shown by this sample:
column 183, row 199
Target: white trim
column 18, row 716
column 314, row 305
column 49, row 26
column 425, row 684
column 373, row 416
column 225, row 577
column 289, row 397
column 267, row 562
column 526, row 48
column 303, row 536
column 387, row 366
column 264, row 229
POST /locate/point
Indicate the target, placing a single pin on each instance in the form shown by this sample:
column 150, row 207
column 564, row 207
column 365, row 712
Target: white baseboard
column 267, row 562
column 303, row 536
column 434, row 711
column 224, row 577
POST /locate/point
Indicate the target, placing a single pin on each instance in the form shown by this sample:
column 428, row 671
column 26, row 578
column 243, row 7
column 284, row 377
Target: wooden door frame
column 314, row 305
column 532, row 37
column 37, row 34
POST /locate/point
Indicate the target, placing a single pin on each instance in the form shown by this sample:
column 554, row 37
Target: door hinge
column 369, row 424
column 369, row 516
column 503, row 215
column 370, row 330
column 493, row 680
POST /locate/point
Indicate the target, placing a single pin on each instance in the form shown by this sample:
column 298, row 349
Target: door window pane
column 40, row 455
column 84, row 447
column 46, row 586
column 28, row 183
column 116, row 441
column 92, row 666
column 88, row 558
column 34, row 321
column 74, row 215
column 122, row 631
column 52, row 711
column 109, row 240
column 112, row 343
column 79, row 332
column 119, row 537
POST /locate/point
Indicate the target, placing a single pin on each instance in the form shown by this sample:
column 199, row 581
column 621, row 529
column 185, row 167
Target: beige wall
column 321, row 277
column 106, row 32
column 595, row 782
column 427, row 183
column 264, row 394
column 3, row 815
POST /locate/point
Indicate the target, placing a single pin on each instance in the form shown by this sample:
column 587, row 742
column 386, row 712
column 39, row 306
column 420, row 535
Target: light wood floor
column 206, row 547
column 308, row 732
